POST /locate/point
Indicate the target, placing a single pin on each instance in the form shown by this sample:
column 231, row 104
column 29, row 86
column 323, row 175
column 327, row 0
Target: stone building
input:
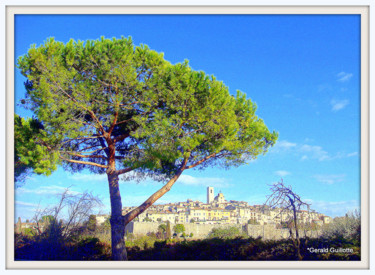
column 210, row 195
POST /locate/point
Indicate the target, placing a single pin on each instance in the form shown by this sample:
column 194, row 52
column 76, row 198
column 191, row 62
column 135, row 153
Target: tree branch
column 84, row 162
column 84, row 123
column 202, row 160
column 125, row 170
column 123, row 121
column 92, row 114
column 84, row 138
column 120, row 137
column 154, row 197
column 90, row 147
column 113, row 123
column 86, row 156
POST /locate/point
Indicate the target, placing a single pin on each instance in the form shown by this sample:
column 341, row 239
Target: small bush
column 29, row 232
column 226, row 233
column 144, row 242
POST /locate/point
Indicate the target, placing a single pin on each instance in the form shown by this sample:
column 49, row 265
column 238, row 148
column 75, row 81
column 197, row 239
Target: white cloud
column 46, row 190
column 343, row 76
column 22, row 203
column 330, row 179
column 286, row 144
column 214, row 182
column 339, row 104
column 283, row 145
column 282, row 173
column 334, row 208
column 354, row 154
column 306, row 151
column 315, row 152
column 324, row 87
column 304, row 157
column 88, row 177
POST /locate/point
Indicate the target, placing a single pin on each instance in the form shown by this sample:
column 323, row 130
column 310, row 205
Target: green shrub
column 226, row 233
column 179, row 228
column 144, row 242
column 91, row 224
column 168, row 231
column 28, row 232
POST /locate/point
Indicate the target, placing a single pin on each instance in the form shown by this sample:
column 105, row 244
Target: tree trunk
column 154, row 197
column 117, row 220
column 298, row 248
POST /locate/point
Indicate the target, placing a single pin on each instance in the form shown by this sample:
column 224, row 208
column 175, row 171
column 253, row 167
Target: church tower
column 210, row 195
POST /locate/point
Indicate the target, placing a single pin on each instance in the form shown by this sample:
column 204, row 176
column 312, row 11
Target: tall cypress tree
column 168, row 234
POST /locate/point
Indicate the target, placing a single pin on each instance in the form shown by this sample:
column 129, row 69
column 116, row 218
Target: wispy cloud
column 315, row 152
column 330, row 179
column 334, row 208
column 324, row 87
column 304, row 157
column 45, row 190
column 214, row 182
column 343, row 76
column 282, row 173
column 286, row 144
column 338, row 105
column 307, row 151
column 283, row 145
column 88, row 177
column 22, row 203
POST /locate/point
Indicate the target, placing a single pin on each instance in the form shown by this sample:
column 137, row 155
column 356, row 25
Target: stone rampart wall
column 266, row 232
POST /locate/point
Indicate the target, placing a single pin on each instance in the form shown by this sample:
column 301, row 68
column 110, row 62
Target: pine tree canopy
column 97, row 97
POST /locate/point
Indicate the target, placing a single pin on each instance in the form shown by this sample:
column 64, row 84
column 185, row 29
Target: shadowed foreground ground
column 146, row 248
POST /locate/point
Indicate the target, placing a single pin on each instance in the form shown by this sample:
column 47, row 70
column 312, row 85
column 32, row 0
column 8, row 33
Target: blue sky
column 303, row 72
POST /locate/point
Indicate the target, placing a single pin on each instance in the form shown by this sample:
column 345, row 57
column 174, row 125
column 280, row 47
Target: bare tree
column 74, row 208
column 288, row 201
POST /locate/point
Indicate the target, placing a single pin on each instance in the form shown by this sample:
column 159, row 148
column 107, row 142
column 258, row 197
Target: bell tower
column 210, row 194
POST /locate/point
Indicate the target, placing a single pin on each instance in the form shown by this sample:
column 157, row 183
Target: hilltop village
column 199, row 218
column 217, row 210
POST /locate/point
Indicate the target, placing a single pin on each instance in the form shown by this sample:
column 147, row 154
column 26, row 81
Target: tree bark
column 154, row 197
column 298, row 245
column 117, row 220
